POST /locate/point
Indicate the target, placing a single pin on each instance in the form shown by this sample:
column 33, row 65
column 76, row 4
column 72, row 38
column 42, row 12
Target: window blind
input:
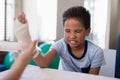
column 7, row 8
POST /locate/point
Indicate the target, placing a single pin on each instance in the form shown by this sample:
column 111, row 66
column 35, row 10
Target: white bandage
column 23, row 36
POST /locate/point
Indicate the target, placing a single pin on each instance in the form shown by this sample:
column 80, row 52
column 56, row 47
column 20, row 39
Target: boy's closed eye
column 78, row 31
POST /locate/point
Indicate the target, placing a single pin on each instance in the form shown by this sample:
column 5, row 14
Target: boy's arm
column 20, row 63
column 44, row 60
column 94, row 71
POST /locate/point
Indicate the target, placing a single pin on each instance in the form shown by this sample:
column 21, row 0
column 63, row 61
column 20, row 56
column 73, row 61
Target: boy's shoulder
column 93, row 45
column 94, row 49
column 62, row 40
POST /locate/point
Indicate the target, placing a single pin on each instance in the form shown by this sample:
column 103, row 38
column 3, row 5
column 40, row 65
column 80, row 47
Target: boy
column 76, row 53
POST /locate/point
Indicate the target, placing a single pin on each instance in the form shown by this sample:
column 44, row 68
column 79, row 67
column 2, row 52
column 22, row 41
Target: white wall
column 62, row 6
column 29, row 7
column 18, row 7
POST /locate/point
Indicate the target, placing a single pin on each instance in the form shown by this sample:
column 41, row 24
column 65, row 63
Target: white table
column 36, row 73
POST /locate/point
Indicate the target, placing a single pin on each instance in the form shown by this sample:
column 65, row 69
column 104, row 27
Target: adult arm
column 20, row 63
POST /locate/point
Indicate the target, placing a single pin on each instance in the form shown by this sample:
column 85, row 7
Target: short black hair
column 79, row 13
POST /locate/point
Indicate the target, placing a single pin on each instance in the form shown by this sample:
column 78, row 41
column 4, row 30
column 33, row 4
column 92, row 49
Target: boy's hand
column 22, row 18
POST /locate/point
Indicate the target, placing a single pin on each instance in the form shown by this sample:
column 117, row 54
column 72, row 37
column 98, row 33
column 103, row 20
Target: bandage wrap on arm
column 23, row 36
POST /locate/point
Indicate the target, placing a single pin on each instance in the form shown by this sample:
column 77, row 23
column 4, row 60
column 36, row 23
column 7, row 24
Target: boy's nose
column 72, row 35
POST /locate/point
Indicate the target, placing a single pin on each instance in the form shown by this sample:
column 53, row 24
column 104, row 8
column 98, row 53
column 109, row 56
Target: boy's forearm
column 94, row 71
column 41, row 61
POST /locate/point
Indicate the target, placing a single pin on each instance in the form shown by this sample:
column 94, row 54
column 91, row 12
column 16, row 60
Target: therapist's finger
column 32, row 47
column 17, row 55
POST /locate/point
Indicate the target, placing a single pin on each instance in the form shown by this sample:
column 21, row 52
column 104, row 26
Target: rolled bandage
column 23, row 36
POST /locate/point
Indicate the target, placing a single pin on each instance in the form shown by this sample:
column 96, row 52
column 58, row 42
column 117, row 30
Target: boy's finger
column 23, row 18
column 19, row 18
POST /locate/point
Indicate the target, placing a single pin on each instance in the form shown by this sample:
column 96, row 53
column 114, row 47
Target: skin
column 74, row 34
column 21, row 62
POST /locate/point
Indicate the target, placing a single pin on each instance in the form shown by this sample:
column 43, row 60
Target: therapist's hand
column 21, row 62
column 27, row 55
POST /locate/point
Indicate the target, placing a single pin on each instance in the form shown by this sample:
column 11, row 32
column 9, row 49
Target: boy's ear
column 88, row 31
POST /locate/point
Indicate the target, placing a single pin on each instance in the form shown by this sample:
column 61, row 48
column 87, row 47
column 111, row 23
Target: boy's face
column 75, row 33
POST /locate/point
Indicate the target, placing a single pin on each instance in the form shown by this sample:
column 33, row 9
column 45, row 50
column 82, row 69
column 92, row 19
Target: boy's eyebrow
column 73, row 30
column 66, row 29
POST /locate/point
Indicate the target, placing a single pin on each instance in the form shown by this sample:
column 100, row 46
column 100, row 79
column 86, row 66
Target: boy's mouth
column 73, row 42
